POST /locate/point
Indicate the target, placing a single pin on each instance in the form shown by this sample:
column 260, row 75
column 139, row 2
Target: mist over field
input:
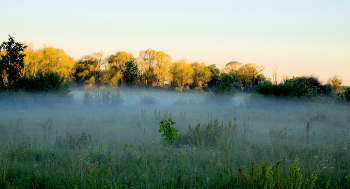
column 106, row 141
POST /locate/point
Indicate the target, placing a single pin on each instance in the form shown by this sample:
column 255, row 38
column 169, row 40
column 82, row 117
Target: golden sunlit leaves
column 87, row 70
column 201, row 76
column 46, row 60
column 335, row 82
column 232, row 66
column 116, row 64
column 246, row 75
column 154, row 68
column 182, row 74
column 161, row 69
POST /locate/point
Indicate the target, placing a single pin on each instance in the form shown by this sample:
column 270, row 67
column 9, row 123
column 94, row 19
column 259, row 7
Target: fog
column 253, row 115
column 47, row 132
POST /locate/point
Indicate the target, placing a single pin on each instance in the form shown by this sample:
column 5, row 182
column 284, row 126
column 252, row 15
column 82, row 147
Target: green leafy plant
column 170, row 133
column 132, row 152
column 295, row 177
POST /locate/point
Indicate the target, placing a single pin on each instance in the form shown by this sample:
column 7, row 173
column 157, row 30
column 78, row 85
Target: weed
column 170, row 133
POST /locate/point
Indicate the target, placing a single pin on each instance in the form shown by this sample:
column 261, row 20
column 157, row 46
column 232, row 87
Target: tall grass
column 217, row 147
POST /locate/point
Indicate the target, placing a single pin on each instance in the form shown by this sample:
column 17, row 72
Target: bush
column 296, row 87
column 347, row 93
column 223, row 91
column 181, row 102
column 48, row 82
column 207, row 135
column 104, row 97
column 170, row 133
column 149, row 100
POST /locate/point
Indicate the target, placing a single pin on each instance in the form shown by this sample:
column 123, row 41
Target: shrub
column 170, row 133
column 223, row 90
column 347, row 93
column 104, row 97
column 149, row 100
column 295, row 87
column 207, row 134
column 48, row 82
column 74, row 141
column 181, row 102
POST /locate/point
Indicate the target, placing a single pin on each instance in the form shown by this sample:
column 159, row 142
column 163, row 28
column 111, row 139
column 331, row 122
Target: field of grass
column 260, row 143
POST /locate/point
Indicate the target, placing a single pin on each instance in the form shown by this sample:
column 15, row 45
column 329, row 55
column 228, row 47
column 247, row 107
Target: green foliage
column 170, row 133
column 130, row 72
column 347, row 93
column 213, row 69
column 223, row 90
column 11, row 64
column 310, row 182
column 48, row 82
column 295, row 177
column 3, row 170
column 32, row 156
column 133, row 153
column 296, row 87
column 224, row 85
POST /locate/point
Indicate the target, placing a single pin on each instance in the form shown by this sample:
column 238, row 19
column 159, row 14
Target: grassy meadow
column 251, row 142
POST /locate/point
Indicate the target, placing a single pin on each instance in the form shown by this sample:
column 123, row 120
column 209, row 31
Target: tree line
column 21, row 66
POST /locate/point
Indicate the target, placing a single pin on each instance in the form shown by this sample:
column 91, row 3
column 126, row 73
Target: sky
column 300, row 37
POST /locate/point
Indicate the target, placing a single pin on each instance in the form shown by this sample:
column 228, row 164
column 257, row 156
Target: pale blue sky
column 301, row 37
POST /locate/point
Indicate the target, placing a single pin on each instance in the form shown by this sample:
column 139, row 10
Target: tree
column 232, row 66
column 335, row 83
column 116, row 64
column 146, row 62
column 224, row 85
column 214, row 70
column 215, row 75
column 130, row 73
column 246, row 75
column 182, row 74
column 100, row 61
column 11, row 63
column 285, row 77
column 87, row 71
column 260, row 79
column 274, row 74
column 201, row 76
column 256, row 71
column 49, row 59
column 161, row 69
